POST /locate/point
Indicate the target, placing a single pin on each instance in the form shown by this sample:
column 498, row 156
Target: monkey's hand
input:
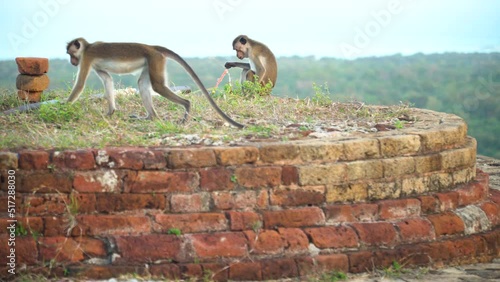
column 229, row 65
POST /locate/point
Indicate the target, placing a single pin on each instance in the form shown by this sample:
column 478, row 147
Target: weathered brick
column 459, row 158
column 298, row 196
column 279, row 269
column 9, row 202
column 161, row 182
column 236, row 155
column 384, row 190
column 360, row 262
column 244, row 220
column 44, row 182
column 191, row 270
column 110, row 203
column 279, row 153
column 246, row 271
column 447, row 224
column 296, row 240
column 312, row 266
column 131, row 158
column 30, row 96
column 360, row 170
column 98, row 181
column 492, row 211
column 447, row 201
column 322, row 174
column 321, row 152
column 96, row 225
column 360, row 149
column 300, row 217
column 266, row 242
column 398, row 166
column 216, row 271
column 8, row 160
column 393, row 209
column 399, row 145
column 79, row 159
column 60, row 249
column 474, row 219
column 443, row 137
column 219, row 245
column 148, row 248
column 240, row 200
column 415, row 230
column 289, row 175
column 199, row 202
column 472, row 193
column 440, row 182
column 428, row 204
column 495, row 196
column 26, row 251
column 32, row 83
column 86, row 202
column 55, row 226
column 337, row 237
column 166, row 271
column 351, row 213
column 32, row 66
column 190, row 223
column 349, row 192
column 257, row 177
column 414, row 186
column 191, row 158
column 32, row 225
column 428, row 163
column 216, row 179
column 464, row 175
column 29, row 159
column 376, row 234
column 45, row 204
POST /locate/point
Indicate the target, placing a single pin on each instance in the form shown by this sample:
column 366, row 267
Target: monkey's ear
column 243, row 41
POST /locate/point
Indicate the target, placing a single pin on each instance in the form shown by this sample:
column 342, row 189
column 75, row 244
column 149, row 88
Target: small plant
column 395, row 270
column 174, row 231
column 234, row 178
column 257, row 226
column 322, row 96
column 20, row 230
column 60, row 112
column 399, row 124
column 166, row 127
column 333, row 276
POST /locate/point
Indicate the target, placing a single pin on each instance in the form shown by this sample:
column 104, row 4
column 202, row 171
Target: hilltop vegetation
column 464, row 84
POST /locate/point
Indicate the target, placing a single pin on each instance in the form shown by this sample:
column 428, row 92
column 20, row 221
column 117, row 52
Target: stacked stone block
column 32, row 79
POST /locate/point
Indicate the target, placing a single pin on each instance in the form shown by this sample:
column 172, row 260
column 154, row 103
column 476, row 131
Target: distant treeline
column 464, row 84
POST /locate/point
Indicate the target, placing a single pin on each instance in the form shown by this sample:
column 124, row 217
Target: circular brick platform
column 257, row 212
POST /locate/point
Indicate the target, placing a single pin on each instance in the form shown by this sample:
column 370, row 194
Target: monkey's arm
column 83, row 73
column 245, row 66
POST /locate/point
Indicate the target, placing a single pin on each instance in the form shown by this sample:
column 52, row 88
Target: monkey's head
column 241, row 46
column 75, row 49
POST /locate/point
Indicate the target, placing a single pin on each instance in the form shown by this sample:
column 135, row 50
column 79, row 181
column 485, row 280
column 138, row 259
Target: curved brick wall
column 259, row 211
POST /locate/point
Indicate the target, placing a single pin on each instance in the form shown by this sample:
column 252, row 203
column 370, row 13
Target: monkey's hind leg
column 107, row 81
column 145, row 91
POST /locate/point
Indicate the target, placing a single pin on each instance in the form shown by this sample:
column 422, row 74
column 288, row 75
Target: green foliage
column 60, row 112
column 174, row 231
column 322, row 96
column 20, row 230
column 333, row 276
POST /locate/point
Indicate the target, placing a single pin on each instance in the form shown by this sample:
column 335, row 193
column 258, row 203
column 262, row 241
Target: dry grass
column 84, row 124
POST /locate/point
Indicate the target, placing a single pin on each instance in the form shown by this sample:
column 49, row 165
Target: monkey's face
column 74, row 51
column 241, row 51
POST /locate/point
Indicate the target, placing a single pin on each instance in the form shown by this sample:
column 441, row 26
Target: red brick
column 60, row 249
column 429, row 204
column 79, row 159
column 298, row 196
column 472, row 193
column 190, row 271
column 219, row 245
column 30, row 96
column 86, row 202
column 191, row 223
column 44, row 182
column 216, row 179
column 236, row 155
column 296, row 240
column 32, row 66
column 33, row 159
column 32, row 83
column 99, row 272
column 245, row 271
column 131, row 158
column 447, row 224
column 300, row 217
column 98, row 181
column 492, row 242
column 333, row 237
column 215, row 271
column 55, row 226
column 26, row 250
column 148, row 248
column 191, row 158
column 376, row 234
column 447, row 201
column 290, row 175
column 279, row 269
column 360, row 262
column 32, row 225
column 93, row 225
column 161, row 182
column 244, row 220
column 46, row 204
column 6, row 202
column 240, row 200
column 199, row 202
column 415, row 230
column 315, row 266
column 258, row 177
column 279, row 154
column 351, row 213
column 495, row 196
column 166, row 271
column 393, row 209
column 492, row 211
column 265, row 242
column 109, row 203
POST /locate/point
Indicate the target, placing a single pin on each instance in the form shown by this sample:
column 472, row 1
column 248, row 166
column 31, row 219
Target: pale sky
column 204, row 28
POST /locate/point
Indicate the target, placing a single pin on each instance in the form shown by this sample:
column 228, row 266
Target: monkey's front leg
column 107, row 81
